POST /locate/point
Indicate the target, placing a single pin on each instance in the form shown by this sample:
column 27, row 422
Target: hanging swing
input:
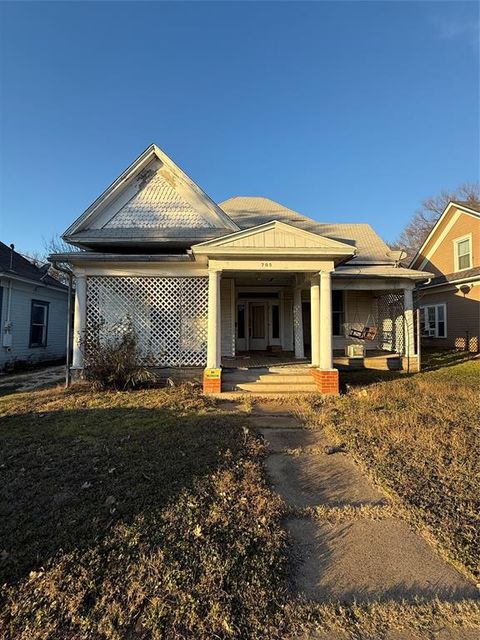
column 367, row 332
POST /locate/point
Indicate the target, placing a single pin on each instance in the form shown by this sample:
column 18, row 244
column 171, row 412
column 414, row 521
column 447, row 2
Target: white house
column 203, row 282
column 33, row 312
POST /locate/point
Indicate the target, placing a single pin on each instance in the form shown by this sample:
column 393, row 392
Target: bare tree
column 56, row 244
column 416, row 231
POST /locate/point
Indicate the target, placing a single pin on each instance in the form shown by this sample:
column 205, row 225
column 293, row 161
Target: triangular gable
column 431, row 243
column 152, row 194
column 276, row 237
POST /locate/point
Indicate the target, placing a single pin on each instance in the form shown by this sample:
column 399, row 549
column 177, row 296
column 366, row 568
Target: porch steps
column 279, row 383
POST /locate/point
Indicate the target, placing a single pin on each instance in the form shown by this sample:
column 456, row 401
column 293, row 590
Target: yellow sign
column 212, row 374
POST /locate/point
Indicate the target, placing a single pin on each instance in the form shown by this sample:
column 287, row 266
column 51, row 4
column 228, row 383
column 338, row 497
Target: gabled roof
column 467, row 207
column 249, row 211
column 277, row 238
column 24, row 269
column 471, row 207
column 153, row 200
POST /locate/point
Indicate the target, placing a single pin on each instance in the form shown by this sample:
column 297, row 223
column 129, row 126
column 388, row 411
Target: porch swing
column 369, row 330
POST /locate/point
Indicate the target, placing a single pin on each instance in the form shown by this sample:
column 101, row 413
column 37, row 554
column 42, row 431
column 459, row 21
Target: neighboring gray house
column 33, row 312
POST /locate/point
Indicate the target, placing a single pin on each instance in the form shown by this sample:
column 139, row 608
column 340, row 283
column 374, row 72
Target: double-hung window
column 338, row 314
column 463, row 253
column 433, row 321
column 39, row 324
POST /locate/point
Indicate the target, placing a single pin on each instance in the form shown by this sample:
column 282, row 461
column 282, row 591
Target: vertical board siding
column 20, row 314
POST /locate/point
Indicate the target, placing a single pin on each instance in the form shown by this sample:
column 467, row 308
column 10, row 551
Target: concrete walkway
column 30, row 380
column 348, row 542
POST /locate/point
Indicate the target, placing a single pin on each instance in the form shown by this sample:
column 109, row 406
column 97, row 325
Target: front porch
column 272, row 296
column 375, row 359
column 282, row 373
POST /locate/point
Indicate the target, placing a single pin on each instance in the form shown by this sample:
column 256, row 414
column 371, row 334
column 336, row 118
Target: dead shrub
column 113, row 358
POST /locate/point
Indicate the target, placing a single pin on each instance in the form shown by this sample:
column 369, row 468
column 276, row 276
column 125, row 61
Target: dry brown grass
column 376, row 621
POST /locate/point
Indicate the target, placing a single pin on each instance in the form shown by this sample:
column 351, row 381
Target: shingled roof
column 249, row 211
column 20, row 267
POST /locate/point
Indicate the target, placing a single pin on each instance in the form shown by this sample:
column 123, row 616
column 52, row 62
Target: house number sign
column 266, row 265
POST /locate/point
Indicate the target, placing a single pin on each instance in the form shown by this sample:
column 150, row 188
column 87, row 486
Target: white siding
column 20, row 313
column 227, row 317
column 359, row 307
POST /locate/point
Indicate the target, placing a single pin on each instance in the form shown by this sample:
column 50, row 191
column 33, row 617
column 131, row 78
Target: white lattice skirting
column 169, row 315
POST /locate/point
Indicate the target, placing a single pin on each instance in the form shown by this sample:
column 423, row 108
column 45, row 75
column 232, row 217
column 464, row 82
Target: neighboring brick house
column 33, row 312
column 450, row 302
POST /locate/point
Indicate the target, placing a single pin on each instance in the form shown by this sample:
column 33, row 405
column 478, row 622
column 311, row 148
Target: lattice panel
column 390, row 322
column 169, row 315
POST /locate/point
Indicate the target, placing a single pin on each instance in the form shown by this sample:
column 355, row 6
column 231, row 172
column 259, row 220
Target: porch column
column 214, row 329
column 326, row 358
column 315, row 320
column 298, row 323
column 79, row 320
column 410, row 361
column 325, row 376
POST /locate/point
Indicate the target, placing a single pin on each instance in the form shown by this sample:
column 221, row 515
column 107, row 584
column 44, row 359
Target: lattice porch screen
column 169, row 315
column 390, row 322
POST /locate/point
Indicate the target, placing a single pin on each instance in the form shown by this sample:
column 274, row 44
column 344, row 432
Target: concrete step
column 286, row 387
column 290, row 378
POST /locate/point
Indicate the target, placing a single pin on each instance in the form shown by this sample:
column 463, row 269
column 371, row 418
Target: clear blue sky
column 344, row 111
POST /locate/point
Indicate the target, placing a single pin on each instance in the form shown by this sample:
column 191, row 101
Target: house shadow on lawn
column 69, row 476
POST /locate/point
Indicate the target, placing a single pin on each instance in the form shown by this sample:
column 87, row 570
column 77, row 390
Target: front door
column 258, row 326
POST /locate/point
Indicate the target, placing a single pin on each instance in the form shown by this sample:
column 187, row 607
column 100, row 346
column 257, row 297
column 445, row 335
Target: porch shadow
column 70, row 476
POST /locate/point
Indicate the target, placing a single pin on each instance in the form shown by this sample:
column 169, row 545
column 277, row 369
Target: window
column 275, row 322
column 463, row 253
column 433, row 321
column 241, row 321
column 39, row 324
column 337, row 313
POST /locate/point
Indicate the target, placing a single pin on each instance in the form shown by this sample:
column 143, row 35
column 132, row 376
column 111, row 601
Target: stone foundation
column 327, row 381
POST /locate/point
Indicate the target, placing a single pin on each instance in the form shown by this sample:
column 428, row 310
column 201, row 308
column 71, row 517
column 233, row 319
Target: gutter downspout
column 68, row 374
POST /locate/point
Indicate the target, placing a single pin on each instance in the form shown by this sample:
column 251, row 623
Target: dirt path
column 349, row 543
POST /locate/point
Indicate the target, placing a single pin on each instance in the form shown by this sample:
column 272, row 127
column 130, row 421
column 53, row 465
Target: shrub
column 113, row 358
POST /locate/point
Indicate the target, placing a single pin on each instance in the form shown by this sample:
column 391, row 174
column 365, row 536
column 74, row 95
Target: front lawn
column 145, row 515
column 141, row 514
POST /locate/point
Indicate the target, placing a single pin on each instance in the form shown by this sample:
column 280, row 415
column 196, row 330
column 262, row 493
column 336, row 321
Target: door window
column 258, row 321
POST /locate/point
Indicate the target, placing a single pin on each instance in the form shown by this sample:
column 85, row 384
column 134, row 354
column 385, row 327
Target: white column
column 409, row 347
column 214, row 330
column 326, row 356
column 298, row 323
column 315, row 320
column 79, row 320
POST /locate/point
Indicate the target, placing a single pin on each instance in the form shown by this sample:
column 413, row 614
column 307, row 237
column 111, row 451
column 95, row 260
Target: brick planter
column 326, row 381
